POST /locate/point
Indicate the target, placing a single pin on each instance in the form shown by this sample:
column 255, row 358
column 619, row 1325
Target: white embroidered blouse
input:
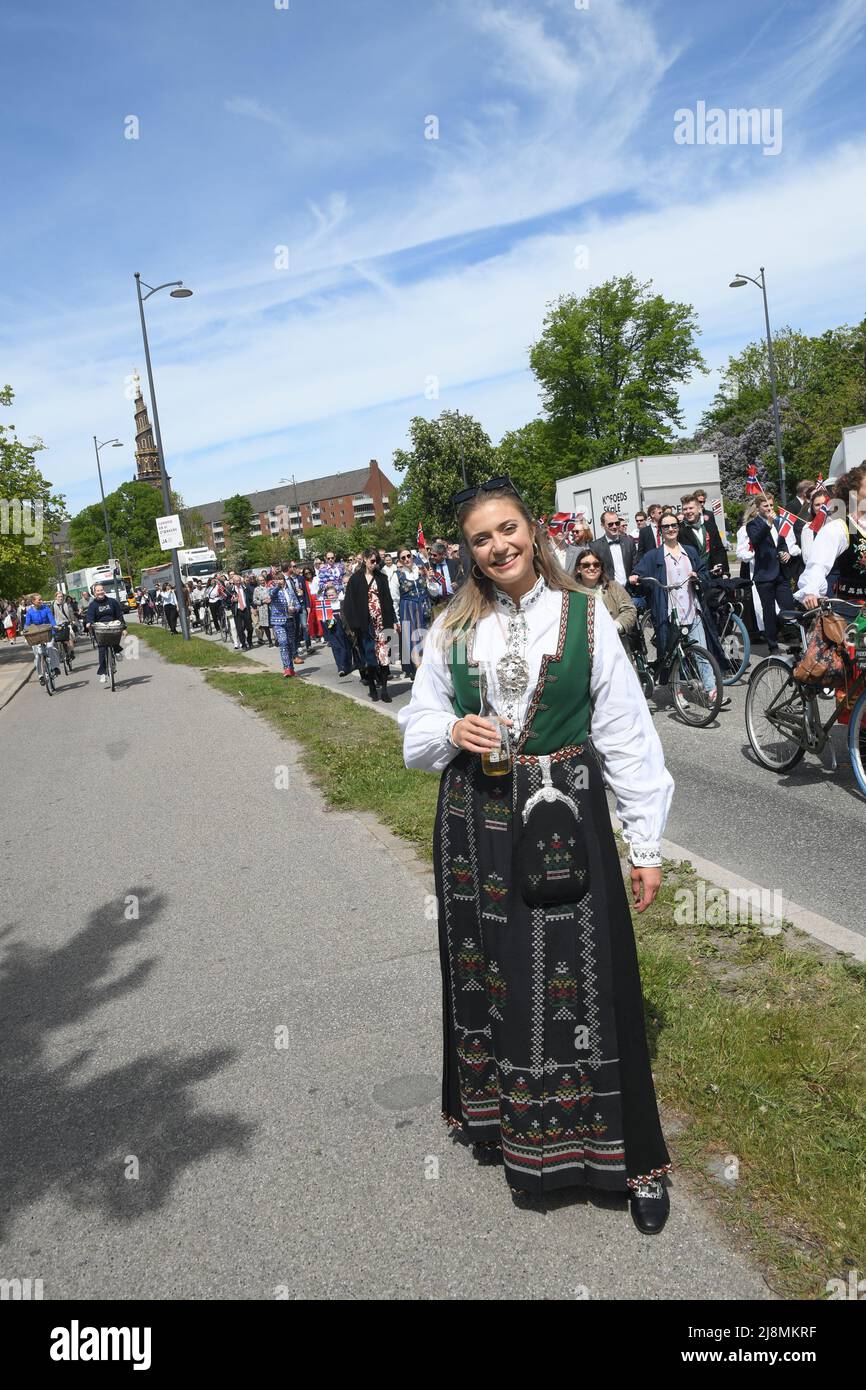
column 622, row 729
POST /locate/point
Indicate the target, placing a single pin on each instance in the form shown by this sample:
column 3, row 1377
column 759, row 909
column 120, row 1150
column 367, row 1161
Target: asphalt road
column 221, row 1041
column 802, row 833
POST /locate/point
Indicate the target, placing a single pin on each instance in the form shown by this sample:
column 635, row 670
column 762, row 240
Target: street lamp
column 114, row 444
column 462, row 458
column 736, row 284
column 178, row 291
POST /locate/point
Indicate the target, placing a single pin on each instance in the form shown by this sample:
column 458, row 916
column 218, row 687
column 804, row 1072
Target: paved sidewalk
column 16, row 668
column 219, row 1079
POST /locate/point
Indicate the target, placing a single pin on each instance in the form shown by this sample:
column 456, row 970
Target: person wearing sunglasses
column 589, row 573
column 671, row 564
column 415, row 607
column 531, row 901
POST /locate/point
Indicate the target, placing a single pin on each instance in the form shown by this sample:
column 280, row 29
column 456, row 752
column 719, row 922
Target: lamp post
column 115, row 444
column 177, row 292
column 462, row 458
column 737, row 283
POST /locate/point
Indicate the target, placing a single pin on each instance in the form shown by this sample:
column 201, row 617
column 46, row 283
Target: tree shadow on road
column 76, row 1137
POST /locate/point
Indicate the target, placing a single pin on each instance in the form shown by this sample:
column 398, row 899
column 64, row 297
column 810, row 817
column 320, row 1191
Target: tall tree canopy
column 432, row 468
column 132, row 511
column 29, row 513
column 609, row 366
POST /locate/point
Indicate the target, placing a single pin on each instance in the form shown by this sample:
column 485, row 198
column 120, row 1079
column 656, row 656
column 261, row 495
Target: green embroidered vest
column 559, row 712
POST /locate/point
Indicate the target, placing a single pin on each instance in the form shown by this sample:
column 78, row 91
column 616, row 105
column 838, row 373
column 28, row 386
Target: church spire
column 146, row 456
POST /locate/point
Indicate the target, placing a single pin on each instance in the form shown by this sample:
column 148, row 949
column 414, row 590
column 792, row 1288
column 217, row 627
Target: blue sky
column 408, row 258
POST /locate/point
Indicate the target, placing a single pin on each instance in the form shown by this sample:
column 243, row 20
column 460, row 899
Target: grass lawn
column 758, row 1042
column 195, row 652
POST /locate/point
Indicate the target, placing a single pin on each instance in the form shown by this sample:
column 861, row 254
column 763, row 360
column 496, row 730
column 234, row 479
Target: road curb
column 8, row 694
column 832, row 934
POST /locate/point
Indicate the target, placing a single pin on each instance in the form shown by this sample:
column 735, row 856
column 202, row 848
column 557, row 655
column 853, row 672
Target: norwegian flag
column 786, row 522
column 420, row 542
column 753, row 487
column 822, row 511
column 562, row 523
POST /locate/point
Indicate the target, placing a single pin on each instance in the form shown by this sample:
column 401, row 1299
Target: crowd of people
column 352, row 604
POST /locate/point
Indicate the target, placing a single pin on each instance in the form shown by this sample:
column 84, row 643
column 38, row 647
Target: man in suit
column 650, row 536
column 771, row 554
column 446, row 571
column 701, row 532
column 241, row 601
column 615, row 549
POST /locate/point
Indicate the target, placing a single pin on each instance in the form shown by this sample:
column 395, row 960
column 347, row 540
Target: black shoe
column 650, row 1206
column 374, row 693
column 385, row 696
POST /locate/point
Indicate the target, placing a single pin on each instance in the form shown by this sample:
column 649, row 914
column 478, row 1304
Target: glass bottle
column 497, row 762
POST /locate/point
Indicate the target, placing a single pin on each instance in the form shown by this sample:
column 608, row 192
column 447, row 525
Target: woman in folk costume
column 368, row 616
column 836, row 562
column 415, row 610
column 545, row 1049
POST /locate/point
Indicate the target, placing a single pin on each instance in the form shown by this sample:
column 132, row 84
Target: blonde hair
column 475, row 597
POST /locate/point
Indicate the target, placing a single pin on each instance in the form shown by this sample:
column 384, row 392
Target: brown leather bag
column 825, row 660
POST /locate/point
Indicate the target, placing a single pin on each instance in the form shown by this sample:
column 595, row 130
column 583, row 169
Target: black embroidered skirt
column 544, row 1040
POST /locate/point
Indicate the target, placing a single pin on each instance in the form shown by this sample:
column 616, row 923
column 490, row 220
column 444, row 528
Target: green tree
column 432, row 468
column 528, row 455
column 29, row 514
column 132, row 511
column 609, row 366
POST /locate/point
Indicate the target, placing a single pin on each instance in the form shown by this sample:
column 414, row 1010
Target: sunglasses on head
column 492, row 485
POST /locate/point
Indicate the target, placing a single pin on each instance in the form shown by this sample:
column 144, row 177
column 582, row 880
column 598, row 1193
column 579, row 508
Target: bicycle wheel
column 47, row 673
column 735, row 642
column 691, row 698
column 775, row 715
column 64, row 657
column 112, row 666
column 93, row 639
column 857, row 742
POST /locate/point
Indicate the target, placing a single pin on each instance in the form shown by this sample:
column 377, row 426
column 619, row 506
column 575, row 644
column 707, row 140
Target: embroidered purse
column 824, row 661
column 551, row 865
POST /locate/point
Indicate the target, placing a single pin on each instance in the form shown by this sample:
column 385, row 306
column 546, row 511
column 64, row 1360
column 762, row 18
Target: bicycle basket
column 62, row 632
column 38, row 632
column 108, row 634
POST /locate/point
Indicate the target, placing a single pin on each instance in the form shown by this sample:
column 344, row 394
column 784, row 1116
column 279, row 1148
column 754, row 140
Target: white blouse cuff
column 646, row 856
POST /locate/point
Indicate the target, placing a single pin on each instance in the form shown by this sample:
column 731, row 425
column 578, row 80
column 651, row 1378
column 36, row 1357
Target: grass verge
column 195, row 652
column 758, row 1042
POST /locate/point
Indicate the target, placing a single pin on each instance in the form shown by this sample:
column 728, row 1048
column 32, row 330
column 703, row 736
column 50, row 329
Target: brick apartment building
column 364, row 494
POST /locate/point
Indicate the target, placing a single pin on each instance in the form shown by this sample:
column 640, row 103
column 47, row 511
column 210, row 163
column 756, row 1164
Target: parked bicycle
column 783, row 716
column 726, row 610
column 682, row 666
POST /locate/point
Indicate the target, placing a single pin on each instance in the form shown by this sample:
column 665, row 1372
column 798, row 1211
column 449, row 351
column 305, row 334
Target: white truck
column 636, row 483
column 850, row 453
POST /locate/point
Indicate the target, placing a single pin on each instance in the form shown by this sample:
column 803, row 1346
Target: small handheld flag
column 822, row 511
column 753, row 487
column 562, row 523
column 786, row 522
column 421, row 543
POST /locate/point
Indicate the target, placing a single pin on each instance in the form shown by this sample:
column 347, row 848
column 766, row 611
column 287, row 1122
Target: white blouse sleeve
column 626, row 741
column 828, row 545
column 426, row 722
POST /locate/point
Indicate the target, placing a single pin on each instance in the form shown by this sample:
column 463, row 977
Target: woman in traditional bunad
column 414, row 608
column 839, row 548
column 545, row 1049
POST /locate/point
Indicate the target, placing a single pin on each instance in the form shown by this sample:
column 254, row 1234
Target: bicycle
column 39, row 637
column 727, row 614
column 110, row 636
column 680, row 665
column 783, row 716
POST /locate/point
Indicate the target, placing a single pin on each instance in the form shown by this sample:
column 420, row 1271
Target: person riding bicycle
column 64, row 617
column 103, row 609
column 668, row 565
column 37, row 613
